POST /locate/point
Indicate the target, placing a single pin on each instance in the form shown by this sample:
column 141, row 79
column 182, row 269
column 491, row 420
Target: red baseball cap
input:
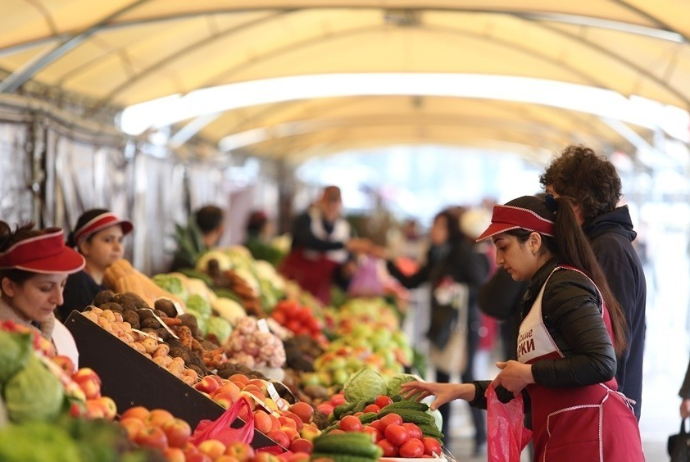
column 46, row 254
column 100, row 222
column 508, row 217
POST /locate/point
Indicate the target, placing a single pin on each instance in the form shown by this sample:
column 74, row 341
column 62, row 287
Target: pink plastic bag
column 507, row 436
column 366, row 281
column 221, row 430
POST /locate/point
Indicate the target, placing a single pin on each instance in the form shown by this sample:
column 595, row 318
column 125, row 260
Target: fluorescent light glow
column 603, row 103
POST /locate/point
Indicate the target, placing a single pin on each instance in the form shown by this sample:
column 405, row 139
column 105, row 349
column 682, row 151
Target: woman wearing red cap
column 98, row 236
column 33, row 269
column 571, row 329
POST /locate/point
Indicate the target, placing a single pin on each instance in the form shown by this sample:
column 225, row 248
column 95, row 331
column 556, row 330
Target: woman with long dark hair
column 451, row 260
column 571, row 329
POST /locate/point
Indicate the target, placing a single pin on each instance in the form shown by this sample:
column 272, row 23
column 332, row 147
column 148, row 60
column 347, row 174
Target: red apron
column 312, row 271
column 580, row 424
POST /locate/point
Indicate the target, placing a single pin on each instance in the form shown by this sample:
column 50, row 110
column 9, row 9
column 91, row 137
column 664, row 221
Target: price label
column 273, row 393
column 262, row 325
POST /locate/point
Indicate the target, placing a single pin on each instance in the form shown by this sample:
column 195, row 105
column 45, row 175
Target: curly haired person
column 594, row 187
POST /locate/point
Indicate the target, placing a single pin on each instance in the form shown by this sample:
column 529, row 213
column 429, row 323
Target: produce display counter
column 131, row 379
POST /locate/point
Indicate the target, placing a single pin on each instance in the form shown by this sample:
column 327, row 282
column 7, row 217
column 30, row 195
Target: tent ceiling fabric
column 123, row 52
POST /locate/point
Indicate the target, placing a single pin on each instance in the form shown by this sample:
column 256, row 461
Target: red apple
column 212, row 448
column 208, row 385
column 299, row 457
column 262, row 421
column 132, row 425
column 89, row 382
column 325, row 408
column 178, row 432
column 301, row 445
column 287, row 422
column 137, row 412
column 239, row 450
column 152, row 437
column 309, row 432
column 265, row 457
column 226, row 458
column 291, row 433
column 109, row 407
column 174, row 455
column 94, row 409
column 303, row 410
column 239, row 379
column 66, row 364
column 299, row 423
column 159, row 417
column 230, row 389
column 197, row 457
column 224, row 400
column 279, row 437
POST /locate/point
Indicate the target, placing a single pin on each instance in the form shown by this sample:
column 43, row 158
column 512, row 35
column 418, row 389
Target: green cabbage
column 171, row 284
column 218, row 327
column 199, row 304
column 37, row 442
column 33, row 393
column 394, row 383
column 15, row 350
column 364, row 384
column 201, row 321
column 228, row 309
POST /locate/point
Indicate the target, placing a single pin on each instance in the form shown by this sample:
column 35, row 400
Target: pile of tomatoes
column 395, row 437
column 300, row 320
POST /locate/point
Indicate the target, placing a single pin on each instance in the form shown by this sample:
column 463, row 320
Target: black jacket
column 80, row 290
column 611, row 236
column 501, row 298
column 571, row 307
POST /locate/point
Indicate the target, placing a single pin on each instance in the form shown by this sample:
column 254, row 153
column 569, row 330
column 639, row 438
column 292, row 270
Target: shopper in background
column 33, row 270
column 203, row 232
column 98, row 236
column 571, row 331
column 593, row 185
column 322, row 247
column 684, row 393
column 452, row 260
column 259, row 231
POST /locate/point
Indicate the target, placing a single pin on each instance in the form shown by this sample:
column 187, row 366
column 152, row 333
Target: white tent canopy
column 125, row 52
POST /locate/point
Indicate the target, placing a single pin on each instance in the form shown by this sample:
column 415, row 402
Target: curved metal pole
column 24, row 73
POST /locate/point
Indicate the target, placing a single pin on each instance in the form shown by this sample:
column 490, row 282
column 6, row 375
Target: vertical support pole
column 286, row 195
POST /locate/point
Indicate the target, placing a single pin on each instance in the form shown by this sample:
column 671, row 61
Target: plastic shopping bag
column 221, row 429
column 366, row 282
column 507, row 436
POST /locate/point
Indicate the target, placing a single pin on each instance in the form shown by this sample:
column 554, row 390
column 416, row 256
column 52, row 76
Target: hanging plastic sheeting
column 15, row 168
column 86, row 176
column 159, row 197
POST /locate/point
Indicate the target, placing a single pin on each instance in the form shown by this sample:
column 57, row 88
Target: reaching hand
column 685, row 408
column 444, row 392
column 514, row 376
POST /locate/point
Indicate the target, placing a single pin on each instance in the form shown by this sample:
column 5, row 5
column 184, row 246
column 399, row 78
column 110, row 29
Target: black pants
column 478, row 415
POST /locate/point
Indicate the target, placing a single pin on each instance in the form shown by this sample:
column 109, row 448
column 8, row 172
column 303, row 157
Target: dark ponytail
column 574, row 248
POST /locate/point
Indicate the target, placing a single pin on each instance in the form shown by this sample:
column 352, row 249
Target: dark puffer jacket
column 571, row 307
column 611, row 237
